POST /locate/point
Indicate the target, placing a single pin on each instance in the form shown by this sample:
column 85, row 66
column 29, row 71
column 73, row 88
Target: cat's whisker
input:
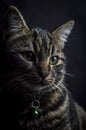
column 50, row 80
column 53, row 88
column 58, row 87
column 63, row 84
column 68, row 74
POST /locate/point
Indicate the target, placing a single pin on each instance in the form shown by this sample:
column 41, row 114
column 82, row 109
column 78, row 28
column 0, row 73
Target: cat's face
column 36, row 55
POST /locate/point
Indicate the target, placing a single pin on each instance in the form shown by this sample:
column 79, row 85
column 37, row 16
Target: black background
column 51, row 14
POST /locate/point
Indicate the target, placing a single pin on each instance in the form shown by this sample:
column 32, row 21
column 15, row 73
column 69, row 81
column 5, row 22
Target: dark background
column 51, row 14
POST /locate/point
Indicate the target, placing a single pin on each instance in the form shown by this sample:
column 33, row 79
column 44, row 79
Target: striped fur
column 34, row 65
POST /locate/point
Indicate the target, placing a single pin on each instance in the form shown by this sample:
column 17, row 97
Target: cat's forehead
column 41, row 35
column 43, row 40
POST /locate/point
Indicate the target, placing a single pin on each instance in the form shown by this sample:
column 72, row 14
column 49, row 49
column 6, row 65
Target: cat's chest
column 44, row 122
column 47, row 116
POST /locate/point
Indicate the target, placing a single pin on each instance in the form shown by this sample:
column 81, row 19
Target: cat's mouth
column 38, row 82
column 36, row 79
column 42, row 82
column 43, row 85
column 45, row 81
column 38, row 85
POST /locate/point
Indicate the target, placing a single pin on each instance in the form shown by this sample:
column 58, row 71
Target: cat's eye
column 28, row 55
column 54, row 60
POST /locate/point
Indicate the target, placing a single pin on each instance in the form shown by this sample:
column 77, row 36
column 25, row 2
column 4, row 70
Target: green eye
column 54, row 60
column 28, row 55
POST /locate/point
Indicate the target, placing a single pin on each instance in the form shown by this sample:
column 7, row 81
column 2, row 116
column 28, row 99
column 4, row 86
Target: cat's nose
column 43, row 74
column 43, row 69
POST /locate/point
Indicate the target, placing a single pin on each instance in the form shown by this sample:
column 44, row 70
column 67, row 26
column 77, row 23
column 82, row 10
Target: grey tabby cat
column 32, row 91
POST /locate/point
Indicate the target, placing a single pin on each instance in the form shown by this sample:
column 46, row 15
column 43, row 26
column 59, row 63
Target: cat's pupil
column 53, row 60
column 29, row 56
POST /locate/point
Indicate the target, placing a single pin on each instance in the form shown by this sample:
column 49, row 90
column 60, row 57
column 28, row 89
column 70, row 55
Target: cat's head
column 34, row 55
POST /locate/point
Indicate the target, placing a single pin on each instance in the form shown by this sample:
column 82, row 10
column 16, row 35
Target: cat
column 33, row 95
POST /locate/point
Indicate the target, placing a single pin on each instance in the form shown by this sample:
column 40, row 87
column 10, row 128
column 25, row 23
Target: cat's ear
column 61, row 33
column 13, row 21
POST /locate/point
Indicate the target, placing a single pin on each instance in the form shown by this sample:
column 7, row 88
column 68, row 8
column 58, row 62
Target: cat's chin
column 39, row 87
column 44, row 88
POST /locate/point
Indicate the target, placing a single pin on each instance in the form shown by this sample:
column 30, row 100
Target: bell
column 35, row 108
column 35, row 113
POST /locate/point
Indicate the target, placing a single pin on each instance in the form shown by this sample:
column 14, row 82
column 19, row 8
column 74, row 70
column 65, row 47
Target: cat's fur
column 33, row 64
